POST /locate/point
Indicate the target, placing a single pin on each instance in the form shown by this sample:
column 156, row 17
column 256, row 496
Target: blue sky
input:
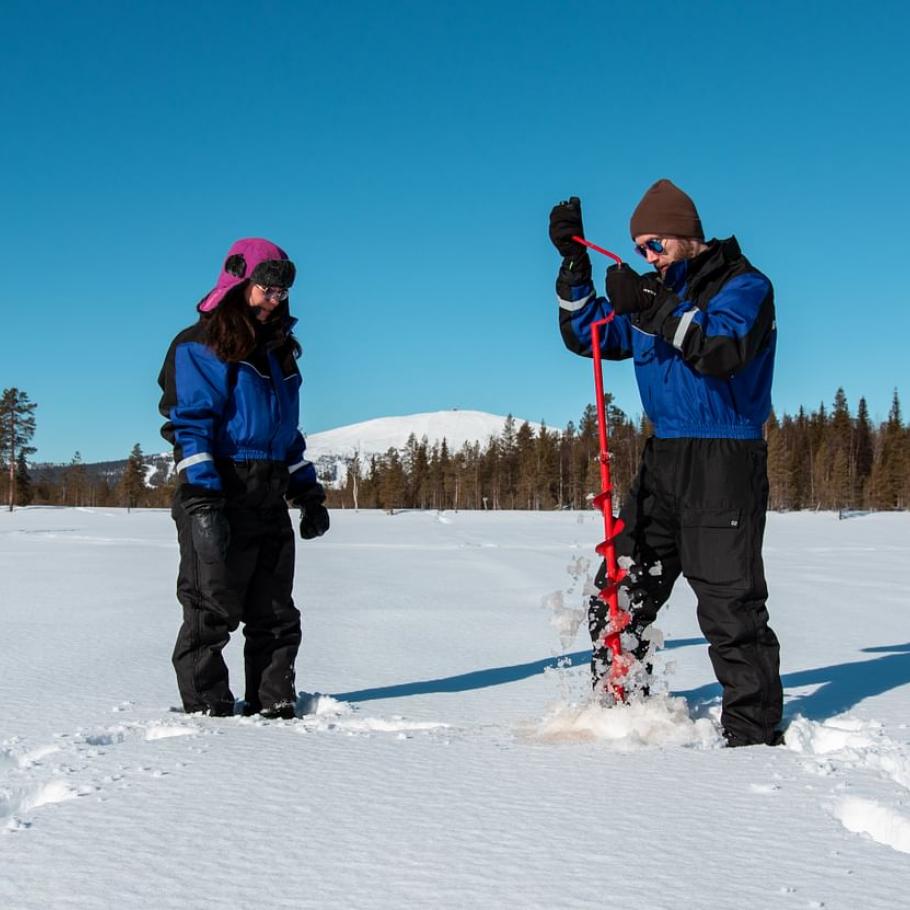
column 406, row 154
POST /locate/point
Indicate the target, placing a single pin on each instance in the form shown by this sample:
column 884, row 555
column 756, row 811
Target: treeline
column 133, row 484
column 78, row 484
column 831, row 459
column 827, row 459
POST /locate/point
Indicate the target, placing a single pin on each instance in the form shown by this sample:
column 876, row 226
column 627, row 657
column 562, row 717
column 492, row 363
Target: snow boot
column 735, row 741
column 281, row 711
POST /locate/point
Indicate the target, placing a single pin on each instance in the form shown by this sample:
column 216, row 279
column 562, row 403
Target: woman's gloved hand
column 211, row 532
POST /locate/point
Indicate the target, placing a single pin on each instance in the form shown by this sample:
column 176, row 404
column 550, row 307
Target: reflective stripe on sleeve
column 193, row 459
column 296, row 467
column 683, row 327
column 573, row 305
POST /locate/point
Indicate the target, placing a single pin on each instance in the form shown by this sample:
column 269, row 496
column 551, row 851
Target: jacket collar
column 272, row 334
column 692, row 272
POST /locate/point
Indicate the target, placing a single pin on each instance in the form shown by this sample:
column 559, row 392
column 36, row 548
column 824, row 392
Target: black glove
column 314, row 520
column 211, row 532
column 630, row 292
column 565, row 223
column 314, row 516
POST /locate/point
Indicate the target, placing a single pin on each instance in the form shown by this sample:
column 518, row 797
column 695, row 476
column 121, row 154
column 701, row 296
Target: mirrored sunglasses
column 655, row 246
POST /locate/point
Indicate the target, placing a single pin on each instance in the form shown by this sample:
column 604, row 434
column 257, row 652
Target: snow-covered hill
column 376, row 437
column 332, row 450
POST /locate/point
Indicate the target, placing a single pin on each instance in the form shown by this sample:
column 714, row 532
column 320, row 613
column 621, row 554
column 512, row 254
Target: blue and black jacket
column 704, row 352
column 234, row 420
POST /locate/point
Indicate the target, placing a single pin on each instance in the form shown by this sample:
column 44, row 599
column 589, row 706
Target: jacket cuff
column 311, row 496
column 195, row 498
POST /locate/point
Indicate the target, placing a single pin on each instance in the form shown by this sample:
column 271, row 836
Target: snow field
column 446, row 754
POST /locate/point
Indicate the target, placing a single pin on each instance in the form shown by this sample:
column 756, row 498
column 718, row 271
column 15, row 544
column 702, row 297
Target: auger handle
column 598, row 249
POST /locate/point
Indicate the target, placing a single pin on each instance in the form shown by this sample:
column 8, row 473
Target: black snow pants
column 697, row 508
column 253, row 586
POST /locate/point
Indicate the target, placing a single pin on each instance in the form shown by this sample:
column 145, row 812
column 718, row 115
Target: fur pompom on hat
column 666, row 209
column 252, row 259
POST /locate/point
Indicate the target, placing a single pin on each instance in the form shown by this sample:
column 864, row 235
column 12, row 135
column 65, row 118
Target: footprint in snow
column 843, row 747
column 28, row 781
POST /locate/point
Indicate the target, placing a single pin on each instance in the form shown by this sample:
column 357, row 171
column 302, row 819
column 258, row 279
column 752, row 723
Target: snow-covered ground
column 447, row 763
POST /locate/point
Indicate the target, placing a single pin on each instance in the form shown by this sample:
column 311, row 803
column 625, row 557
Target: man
column 702, row 334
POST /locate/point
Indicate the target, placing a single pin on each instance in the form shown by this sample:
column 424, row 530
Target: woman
column 231, row 387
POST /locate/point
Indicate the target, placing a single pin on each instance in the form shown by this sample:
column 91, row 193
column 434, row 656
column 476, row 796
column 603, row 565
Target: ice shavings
column 168, row 731
column 564, row 618
column 660, row 720
column 323, row 713
column 317, row 703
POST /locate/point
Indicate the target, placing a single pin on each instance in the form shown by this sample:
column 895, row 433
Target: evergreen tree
column 17, row 417
column 587, row 467
column 818, row 459
column 527, row 468
column 508, row 469
column 393, row 485
column 841, row 471
column 491, row 474
column 24, row 492
column 863, row 455
column 416, row 466
column 445, row 476
column 566, row 479
column 370, row 494
column 890, row 468
column 75, row 483
column 547, row 468
column 779, row 493
column 132, row 484
column 623, row 449
column 800, row 462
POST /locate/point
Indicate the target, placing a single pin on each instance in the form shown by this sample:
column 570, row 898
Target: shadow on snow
column 840, row 686
column 482, row 679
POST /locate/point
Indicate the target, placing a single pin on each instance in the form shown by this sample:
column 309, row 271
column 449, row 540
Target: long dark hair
column 233, row 332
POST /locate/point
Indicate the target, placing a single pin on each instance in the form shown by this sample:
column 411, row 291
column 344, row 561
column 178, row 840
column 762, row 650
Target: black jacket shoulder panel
column 712, row 269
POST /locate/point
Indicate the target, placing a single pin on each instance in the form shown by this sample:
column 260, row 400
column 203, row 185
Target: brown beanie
column 666, row 209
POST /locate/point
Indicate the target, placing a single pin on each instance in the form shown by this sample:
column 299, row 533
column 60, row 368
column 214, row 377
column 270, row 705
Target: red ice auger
column 612, row 683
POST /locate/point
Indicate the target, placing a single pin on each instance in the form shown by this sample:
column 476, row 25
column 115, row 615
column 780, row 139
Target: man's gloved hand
column 211, row 531
column 314, row 516
column 630, row 292
column 565, row 223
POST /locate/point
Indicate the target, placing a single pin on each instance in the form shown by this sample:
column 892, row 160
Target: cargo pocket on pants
column 714, row 546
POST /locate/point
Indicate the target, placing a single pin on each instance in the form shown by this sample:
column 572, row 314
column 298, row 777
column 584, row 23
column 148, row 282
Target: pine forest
column 829, row 458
